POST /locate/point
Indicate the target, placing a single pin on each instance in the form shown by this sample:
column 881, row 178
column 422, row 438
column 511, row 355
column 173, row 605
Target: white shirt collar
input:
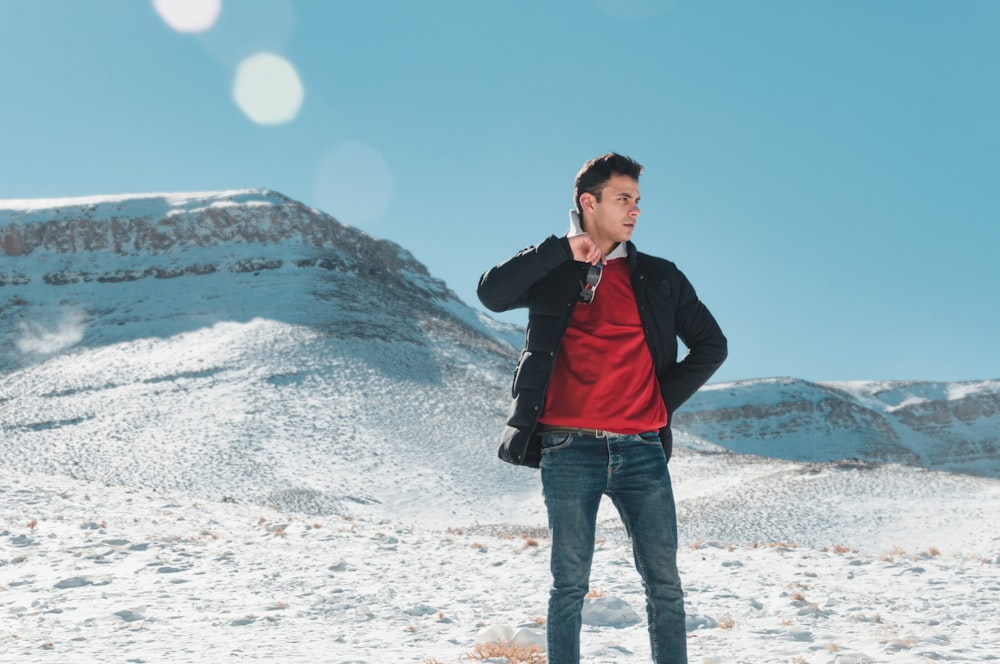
column 576, row 228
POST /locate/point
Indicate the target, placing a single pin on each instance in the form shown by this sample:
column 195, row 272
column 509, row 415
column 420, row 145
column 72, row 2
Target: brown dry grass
column 514, row 654
column 890, row 556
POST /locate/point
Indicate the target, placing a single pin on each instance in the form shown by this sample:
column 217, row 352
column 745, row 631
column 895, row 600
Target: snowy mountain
column 240, row 344
column 948, row 426
column 254, row 241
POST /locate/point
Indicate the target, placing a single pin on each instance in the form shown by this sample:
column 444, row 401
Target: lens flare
column 189, row 15
column 354, row 183
column 267, row 88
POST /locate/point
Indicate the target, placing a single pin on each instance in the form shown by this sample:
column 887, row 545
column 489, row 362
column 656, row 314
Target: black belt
column 580, row 431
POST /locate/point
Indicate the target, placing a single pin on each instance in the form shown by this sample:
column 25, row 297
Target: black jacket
column 547, row 281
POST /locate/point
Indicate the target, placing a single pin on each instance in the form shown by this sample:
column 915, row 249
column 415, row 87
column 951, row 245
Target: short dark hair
column 596, row 172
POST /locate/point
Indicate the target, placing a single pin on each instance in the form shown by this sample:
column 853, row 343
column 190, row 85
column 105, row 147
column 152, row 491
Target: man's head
column 596, row 173
column 607, row 199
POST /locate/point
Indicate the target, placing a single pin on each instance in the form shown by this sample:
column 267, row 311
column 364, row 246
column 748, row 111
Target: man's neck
column 606, row 246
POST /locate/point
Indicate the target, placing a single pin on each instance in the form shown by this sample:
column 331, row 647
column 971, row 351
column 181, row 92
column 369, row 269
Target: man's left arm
column 707, row 348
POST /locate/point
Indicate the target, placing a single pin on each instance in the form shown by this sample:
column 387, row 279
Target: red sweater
column 603, row 376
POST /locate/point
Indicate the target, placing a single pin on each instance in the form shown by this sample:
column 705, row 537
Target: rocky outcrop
column 162, row 229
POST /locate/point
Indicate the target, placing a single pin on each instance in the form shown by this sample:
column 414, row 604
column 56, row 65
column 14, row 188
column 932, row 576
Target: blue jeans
column 632, row 470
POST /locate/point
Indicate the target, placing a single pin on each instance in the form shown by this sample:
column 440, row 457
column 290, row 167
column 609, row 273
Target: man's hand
column 585, row 249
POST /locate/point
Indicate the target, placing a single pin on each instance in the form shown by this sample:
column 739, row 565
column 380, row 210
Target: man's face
column 612, row 219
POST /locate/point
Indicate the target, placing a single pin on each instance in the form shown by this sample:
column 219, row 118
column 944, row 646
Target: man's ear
column 588, row 201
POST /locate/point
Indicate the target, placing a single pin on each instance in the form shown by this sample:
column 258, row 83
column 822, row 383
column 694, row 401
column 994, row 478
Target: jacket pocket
column 533, row 369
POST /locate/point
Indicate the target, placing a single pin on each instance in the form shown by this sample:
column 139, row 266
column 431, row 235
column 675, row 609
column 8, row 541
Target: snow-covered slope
column 241, row 345
column 949, row 426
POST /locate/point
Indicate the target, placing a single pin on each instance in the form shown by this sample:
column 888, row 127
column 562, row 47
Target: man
column 596, row 386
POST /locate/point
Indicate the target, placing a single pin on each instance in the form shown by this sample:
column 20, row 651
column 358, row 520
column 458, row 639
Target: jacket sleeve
column 508, row 285
column 707, row 348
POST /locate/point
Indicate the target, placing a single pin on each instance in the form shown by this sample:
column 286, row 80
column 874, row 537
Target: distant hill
column 948, row 426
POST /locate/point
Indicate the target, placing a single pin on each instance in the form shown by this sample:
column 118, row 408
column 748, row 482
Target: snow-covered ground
column 95, row 573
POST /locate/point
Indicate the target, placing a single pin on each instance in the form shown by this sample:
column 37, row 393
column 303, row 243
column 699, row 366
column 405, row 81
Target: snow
column 282, row 466
column 95, row 573
column 33, row 210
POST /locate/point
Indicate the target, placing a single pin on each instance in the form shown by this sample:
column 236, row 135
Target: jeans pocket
column 555, row 441
column 650, row 438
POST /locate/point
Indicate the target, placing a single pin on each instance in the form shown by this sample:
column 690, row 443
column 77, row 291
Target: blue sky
column 826, row 173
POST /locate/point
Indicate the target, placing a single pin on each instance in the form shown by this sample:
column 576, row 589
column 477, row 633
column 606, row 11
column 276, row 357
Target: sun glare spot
column 189, row 15
column 267, row 88
column 354, row 183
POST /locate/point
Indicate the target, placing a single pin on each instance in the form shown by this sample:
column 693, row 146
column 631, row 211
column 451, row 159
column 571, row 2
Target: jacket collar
column 576, row 228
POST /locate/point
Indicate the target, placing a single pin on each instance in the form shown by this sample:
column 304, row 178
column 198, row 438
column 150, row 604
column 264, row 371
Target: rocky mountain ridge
column 949, row 426
column 79, row 244
column 160, row 228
